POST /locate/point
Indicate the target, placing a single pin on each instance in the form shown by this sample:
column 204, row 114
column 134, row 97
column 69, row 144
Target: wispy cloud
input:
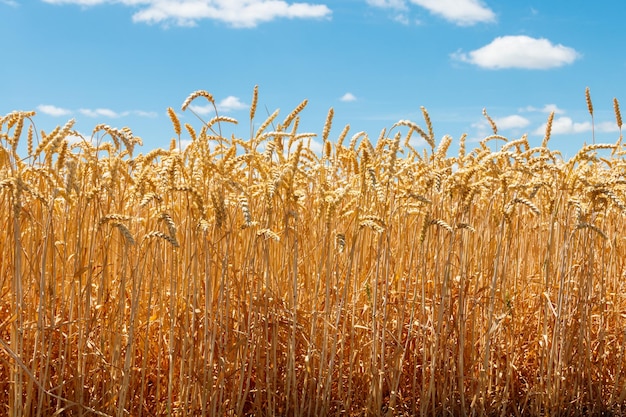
column 56, row 111
column 519, row 52
column 236, row 13
column 51, row 110
column 548, row 108
column 388, row 4
column 398, row 7
column 405, row 19
column 11, row 3
column 81, row 2
column 102, row 113
column 348, row 97
column 142, row 113
column 460, row 12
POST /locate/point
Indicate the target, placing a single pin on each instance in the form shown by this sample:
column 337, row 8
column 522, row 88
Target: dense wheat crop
column 256, row 277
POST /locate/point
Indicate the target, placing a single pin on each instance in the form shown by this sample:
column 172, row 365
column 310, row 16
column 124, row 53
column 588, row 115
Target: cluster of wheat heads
column 256, row 277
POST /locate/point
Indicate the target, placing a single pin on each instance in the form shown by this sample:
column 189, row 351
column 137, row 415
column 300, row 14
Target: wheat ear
column 255, row 99
column 546, row 138
column 590, row 109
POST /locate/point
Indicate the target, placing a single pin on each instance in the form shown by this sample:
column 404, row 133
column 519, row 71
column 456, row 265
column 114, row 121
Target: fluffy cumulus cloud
column 519, row 52
column 202, row 110
column 460, row 12
column 509, row 123
column 231, row 103
column 348, row 97
column 565, row 125
column 236, row 13
column 514, row 121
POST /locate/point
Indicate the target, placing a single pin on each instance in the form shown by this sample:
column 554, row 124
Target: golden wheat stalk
column 255, row 99
column 546, row 137
column 590, row 109
column 494, row 128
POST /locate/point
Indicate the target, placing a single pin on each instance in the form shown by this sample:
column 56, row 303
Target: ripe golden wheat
column 256, row 277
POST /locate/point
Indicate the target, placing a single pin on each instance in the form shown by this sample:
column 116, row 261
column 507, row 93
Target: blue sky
column 124, row 62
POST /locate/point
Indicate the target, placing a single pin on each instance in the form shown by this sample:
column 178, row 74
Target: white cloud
column 607, row 127
column 55, row 111
column 202, row 110
column 236, row 13
column 102, row 113
column 402, row 18
column 460, row 12
column 348, row 97
column 78, row 2
column 51, row 110
column 388, row 4
column 519, row 52
column 231, row 103
column 565, row 125
column 417, row 141
column 142, row 113
column 511, row 122
column 11, row 3
column 76, row 137
column 315, row 146
column 185, row 143
column 548, row 108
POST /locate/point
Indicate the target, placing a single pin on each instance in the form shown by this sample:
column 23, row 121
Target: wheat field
column 257, row 277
